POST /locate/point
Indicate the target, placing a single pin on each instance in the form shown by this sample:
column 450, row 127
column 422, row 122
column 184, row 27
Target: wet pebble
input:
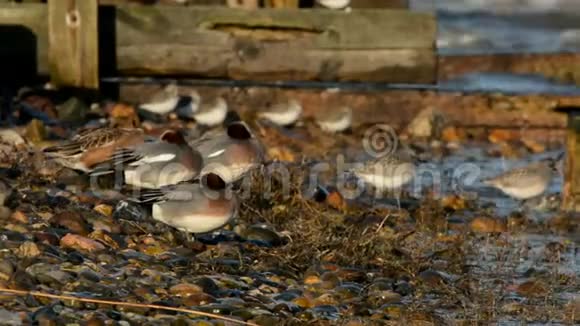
column 351, row 274
column 303, row 302
column 89, row 275
column 532, row 288
column 349, row 291
column 325, row 299
column 217, row 308
column 206, row 284
column 6, row 269
column 262, row 234
column 72, row 221
column 379, row 285
column 288, row 295
column 488, row 225
column 330, row 280
column 378, row 299
column 312, row 279
column 28, row 249
column 392, row 310
column 104, row 209
column 326, row 312
column 198, row 299
column 404, row 288
column 7, row 235
column 185, row 289
column 266, row 320
column 286, row 307
column 49, row 274
column 19, row 216
column 47, row 237
column 80, row 243
column 432, row 278
column 513, row 308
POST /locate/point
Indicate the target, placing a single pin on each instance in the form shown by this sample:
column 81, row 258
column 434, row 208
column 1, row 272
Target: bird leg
column 398, row 198
column 188, row 238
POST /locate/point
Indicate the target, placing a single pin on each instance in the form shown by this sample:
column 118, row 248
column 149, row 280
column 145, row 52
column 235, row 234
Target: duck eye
column 239, row 131
column 172, row 137
column 214, row 181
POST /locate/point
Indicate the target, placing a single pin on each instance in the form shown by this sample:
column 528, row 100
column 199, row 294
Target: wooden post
column 73, row 43
column 391, row 46
column 571, row 187
column 282, row 4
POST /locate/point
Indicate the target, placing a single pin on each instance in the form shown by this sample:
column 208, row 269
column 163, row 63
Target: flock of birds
column 182, row 175
column 212, row 112
column 184, row 178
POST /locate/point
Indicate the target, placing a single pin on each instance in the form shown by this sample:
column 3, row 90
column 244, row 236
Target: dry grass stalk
column 126, row 304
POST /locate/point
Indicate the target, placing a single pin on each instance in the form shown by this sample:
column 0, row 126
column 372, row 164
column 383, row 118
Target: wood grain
column 73, row 43
column 364, row 45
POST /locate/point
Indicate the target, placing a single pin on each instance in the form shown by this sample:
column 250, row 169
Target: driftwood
column 270, row 44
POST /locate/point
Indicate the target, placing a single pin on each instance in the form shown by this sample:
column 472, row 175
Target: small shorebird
column 189, row 105
column 283, row 114
column 193, row 207
column 525, row 182
column 334, row 4
column 231, row 154
column 335, row 121
column 155, row 164
column 388, row 173
column 211, row 113
column 163, row 101
column 428, row 124
column 94, row 146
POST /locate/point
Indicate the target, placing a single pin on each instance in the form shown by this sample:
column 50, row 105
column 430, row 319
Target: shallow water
column 508, row 84
column 505, row 26
column 506, row 259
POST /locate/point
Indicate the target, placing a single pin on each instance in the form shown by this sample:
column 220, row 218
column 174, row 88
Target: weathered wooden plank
column 282, row 4
column 73, row 43
column 246, row 4
column 390, row 46
column 168, row 2
column 385, row 45
column 392, row 4
column 321, row 29
column 404, row 66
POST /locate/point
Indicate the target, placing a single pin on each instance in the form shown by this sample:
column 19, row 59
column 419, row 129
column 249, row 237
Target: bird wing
column 67, row 149
column 185, row 191
column 87, row 139
column 147, row 153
